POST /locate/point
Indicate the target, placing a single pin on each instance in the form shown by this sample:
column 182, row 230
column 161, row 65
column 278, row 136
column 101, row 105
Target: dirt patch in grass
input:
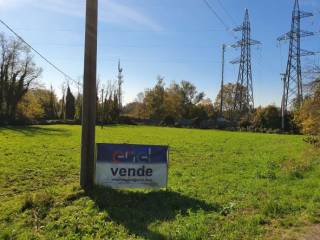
column 313, row 233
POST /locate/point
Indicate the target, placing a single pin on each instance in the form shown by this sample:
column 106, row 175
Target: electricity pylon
column 243, row 98
column 292, row 79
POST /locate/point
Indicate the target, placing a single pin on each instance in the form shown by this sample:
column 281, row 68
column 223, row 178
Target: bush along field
column 222, row 185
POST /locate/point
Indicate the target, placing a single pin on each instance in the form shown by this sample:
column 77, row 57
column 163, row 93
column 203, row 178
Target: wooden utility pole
column 87, row 171
column 222, row 80
column 283, row 103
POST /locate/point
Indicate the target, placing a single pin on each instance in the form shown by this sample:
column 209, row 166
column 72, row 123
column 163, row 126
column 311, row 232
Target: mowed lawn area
column 222, row 185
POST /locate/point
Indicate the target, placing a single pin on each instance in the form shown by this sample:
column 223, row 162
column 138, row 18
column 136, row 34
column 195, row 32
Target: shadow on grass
column 137, row 210
column 32, row 131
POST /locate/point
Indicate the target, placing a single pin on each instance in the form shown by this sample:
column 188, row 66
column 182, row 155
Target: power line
column 206, row 2
column 226, row 11
column 228, row 29
column 38, row 53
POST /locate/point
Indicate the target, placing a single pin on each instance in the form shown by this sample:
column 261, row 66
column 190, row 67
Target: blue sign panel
column 130, row 153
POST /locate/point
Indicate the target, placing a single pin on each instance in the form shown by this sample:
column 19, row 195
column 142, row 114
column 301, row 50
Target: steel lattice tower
column 292, row 79
column 244, row 100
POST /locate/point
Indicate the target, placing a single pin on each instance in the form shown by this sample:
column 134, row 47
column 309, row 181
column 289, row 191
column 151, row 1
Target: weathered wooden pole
column 87, row 170
column 222, row 80
column 283, row 103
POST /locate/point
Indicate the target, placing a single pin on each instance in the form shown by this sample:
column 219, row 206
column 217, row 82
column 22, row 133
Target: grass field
column 222, row 185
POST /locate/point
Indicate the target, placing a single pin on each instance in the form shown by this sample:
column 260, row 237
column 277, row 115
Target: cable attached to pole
column 37, row 52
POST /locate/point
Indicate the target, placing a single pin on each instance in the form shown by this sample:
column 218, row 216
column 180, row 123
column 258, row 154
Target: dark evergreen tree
column 70, row 104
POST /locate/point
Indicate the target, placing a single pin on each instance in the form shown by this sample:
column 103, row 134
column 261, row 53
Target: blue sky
column 177, row 39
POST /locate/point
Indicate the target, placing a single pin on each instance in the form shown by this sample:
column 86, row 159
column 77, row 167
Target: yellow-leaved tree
column 30, row 107
column 308, row 116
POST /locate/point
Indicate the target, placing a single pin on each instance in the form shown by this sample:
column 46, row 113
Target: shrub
column 314, row 140
column 244, row 123
column 268, row 117
column 168, row 121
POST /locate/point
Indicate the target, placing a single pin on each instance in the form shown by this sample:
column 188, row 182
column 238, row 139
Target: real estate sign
column 131, row 166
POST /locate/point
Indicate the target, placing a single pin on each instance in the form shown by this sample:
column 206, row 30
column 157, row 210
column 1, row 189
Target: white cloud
column 110, row 11
column 70, row 8
column 116, row 12
column 4, row 4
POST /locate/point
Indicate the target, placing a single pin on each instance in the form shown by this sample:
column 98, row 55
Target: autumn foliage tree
column 268, row 117
column 308, row 116
column 155, row 100
column 178, row 101
column 229, row 100
column 18, row 73
column 30, row 107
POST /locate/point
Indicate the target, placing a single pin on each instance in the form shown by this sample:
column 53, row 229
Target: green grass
column 222, row 185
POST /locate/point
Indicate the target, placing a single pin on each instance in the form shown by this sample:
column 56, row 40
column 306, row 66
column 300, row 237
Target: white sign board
column 131, row 166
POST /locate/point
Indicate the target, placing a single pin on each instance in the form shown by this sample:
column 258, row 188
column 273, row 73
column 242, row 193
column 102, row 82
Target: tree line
column 179, row 102
column 23, row 99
